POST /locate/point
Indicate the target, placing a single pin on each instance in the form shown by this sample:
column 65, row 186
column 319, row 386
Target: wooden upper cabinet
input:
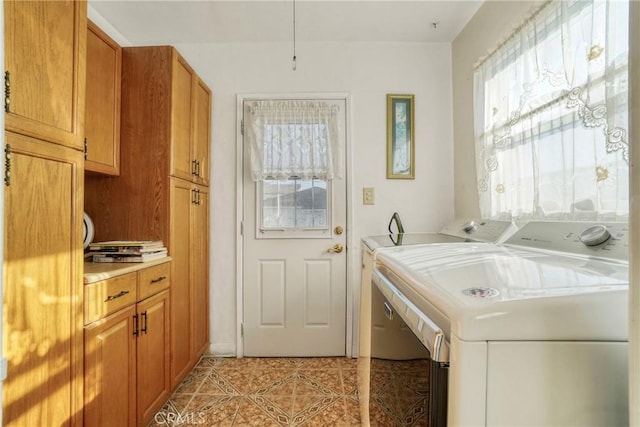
column 182, row 165
column 201, row 139
column 45, row 44
column 165, row 107
column 102, row 118
column 191, row 120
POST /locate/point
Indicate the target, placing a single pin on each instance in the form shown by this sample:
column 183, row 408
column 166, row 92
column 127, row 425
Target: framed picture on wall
column 400, row 137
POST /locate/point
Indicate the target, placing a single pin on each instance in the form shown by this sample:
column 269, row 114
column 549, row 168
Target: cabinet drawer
column 108, row 296
column 153, row 280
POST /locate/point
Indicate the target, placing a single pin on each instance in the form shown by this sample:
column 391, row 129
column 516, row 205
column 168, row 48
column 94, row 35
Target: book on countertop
column 128, row 250
column 114, row 257
column 140, row 244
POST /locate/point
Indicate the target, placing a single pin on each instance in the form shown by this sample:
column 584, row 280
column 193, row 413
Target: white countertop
column 97, row 271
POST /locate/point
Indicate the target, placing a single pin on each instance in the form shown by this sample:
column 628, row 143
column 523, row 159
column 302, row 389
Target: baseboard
column 222, row 349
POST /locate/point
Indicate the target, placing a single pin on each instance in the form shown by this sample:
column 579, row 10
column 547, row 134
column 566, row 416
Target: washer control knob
column 593, row 236
column 469, row 227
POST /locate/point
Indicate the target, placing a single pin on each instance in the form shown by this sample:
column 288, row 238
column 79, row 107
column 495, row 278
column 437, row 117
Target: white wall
column 367, row 72
column 491, row 23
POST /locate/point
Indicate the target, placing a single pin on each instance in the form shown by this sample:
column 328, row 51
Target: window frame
column 292, row 232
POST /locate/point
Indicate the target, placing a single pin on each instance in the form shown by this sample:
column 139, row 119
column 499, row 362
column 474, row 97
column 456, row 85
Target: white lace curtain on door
column 294, row 138
column 551, row 116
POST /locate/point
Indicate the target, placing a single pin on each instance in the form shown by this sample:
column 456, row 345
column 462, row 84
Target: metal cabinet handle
column 158, row 279
column 135, row 325
column 118, row 295
column 144, row 322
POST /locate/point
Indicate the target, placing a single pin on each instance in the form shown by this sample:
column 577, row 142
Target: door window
column 294, row 207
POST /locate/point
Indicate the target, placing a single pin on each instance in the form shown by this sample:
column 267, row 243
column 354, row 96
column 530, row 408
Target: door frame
column 352, row 253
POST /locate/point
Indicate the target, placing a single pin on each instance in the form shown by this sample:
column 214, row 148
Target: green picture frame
column 400, row 137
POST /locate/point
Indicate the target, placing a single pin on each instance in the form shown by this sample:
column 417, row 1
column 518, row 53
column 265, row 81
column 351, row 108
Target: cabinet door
column 201, row 140
column 182, row 198
column 181, row 165
column 45, row 43
column 200, row 272
column 102, row 123
column 110, row 370
column 153, row 356
column 42, row 278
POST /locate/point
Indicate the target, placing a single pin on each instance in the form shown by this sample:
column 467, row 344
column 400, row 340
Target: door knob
column 336, row 249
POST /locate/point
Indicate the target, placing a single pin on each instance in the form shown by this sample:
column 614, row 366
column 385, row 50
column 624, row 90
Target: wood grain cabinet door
column 45, row 43
column 181, row 103
column 110, row 370
column 154, row 385
column 200, row 273
column 42, row 285
column 102, row 123
column 201, row 140
column 182, row 198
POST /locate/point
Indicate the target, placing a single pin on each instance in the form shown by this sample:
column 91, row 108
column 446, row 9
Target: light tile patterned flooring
column 266, row 392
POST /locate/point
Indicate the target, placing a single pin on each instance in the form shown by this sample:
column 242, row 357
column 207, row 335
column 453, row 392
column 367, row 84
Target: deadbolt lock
column 339, row 230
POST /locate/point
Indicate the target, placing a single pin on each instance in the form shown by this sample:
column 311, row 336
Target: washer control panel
column 480, row 230
column 609, row 240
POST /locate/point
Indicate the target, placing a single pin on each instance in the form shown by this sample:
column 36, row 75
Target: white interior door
column 294, row 290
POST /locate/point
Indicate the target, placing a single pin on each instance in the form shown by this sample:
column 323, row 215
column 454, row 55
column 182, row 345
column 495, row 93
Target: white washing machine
column 529, row 333
column 392, row 331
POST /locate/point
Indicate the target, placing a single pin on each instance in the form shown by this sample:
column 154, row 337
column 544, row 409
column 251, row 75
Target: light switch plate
column 368, row 196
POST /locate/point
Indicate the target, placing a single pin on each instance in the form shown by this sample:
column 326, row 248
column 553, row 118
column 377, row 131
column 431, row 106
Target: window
column 551, row 113
column 296, row 149
column 294, row 204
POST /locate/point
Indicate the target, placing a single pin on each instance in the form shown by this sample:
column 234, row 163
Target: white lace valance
column 294, row 138
column 551, row 114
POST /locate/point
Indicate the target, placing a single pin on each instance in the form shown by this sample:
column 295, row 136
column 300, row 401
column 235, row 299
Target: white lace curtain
column 294, row 138
column 551, row 116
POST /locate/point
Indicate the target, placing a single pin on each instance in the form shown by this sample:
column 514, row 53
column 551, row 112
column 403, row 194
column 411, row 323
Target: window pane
column 294, row 203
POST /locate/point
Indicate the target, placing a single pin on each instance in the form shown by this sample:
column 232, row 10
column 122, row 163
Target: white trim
column 240, row 98
column 634, row 215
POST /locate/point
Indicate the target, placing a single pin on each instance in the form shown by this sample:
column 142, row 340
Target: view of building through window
column 294, row 203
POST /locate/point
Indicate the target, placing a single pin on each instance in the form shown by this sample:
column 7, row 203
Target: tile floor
column 399, row 393
column 265, row 392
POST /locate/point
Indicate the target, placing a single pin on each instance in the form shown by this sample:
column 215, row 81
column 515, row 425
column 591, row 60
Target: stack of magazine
column 127, row 251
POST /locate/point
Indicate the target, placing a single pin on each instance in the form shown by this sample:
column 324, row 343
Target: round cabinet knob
column 595, row 235
column 469, row 227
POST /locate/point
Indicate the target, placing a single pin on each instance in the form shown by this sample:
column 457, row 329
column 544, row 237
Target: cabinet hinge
column 7, row 165
column 7, row 92
column 241, row 228
column 242, row 127
column 241, row 330
column 86, row 149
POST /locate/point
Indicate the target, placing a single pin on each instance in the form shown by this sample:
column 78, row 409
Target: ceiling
column 224, row 21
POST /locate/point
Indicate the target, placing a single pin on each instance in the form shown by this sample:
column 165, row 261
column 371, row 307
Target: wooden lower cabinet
column 199, row 270
column 110, row 370
column 189, row 223
column 181, row 201
column 154, row 386
column 127, row 357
